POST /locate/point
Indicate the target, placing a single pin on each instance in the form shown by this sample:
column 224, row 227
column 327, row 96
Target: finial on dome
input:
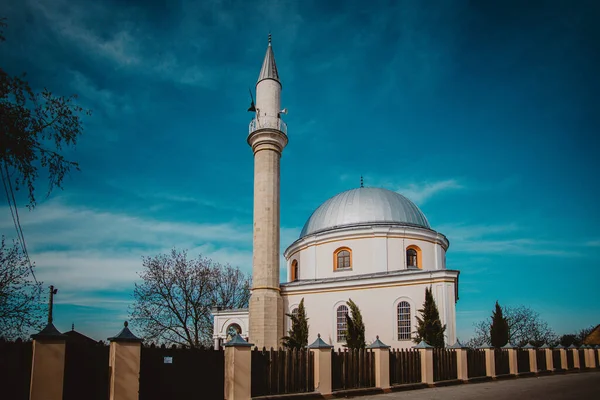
column 269, row 38
column 362, row 183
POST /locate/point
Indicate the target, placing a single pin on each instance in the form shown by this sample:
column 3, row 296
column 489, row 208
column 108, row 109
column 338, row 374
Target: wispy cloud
column 421, row 192
column 502, row 238
column 593, row 243
column 128, row 46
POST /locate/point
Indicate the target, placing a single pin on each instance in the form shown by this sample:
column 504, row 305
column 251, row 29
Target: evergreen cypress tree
column 355, row 330
column 298, row 335
column 499, row 328
column 429, row 325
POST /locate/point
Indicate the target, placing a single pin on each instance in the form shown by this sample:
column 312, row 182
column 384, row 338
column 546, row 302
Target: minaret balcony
column 267, row 123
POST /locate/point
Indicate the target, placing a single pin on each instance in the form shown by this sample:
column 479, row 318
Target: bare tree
column 33, row 129
column 524, row 326
column 174, row 300
column 21, row 309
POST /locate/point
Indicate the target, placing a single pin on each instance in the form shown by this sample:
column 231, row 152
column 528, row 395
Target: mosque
column 371, row 245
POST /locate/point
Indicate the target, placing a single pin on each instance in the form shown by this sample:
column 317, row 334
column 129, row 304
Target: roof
column 269, row 68
column 363, row 206
column 75, row 336
column 594, row 337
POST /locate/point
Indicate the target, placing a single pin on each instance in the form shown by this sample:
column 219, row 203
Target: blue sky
column 485, row 114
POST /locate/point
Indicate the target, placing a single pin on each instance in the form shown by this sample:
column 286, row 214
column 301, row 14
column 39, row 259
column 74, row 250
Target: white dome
column 364, row 206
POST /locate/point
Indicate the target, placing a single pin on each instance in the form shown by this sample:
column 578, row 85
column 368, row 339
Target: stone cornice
column 401, row 278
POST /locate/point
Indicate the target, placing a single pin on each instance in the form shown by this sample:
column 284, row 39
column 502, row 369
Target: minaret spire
column 269, row 68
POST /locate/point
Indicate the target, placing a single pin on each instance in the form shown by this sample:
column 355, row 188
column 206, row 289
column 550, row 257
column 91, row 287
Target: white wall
column 378, row 307
column 374, row 250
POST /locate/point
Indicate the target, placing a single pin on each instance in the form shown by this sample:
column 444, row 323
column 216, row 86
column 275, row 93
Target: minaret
column 267, row 137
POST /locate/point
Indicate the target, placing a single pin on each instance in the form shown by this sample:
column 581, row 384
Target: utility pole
column 51, row 303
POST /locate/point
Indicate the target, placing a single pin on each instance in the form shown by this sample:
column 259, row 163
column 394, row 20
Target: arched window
column 295, row 312
column 342, row 258
column 232, row 330
column 342, row 323
column 403, row 320
column 413, row 257
column 294, row 270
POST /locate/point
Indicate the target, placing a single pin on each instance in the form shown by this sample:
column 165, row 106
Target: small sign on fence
column 168, row 360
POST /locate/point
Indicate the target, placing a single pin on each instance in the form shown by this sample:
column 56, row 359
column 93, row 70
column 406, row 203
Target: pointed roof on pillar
column 269, row 68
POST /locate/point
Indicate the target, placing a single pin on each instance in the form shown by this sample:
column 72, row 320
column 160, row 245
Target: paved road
column 584, row 385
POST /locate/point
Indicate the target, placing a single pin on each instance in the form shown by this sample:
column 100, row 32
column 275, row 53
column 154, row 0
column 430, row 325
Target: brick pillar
column 549, row 359
column 322, row 369
column 591, row 363
column 48, row 364
column 382, row 364
column 513, row 367
column 563, row 357
column 533, row 367
column 490, row 362
column 575, row 352
column 426, row 352
column 461, row 361
column 238, row 368
column 124, row 361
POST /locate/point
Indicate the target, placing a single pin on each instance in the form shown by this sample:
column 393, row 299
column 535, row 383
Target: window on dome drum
column 294, row 270
column 403, row 320
column 342, row 312
column 411, row 258
column 342, row 259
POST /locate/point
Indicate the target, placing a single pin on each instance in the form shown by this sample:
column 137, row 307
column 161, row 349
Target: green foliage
column 499, row 328
column 429, row 326
column 355, row 330
column 298, row 335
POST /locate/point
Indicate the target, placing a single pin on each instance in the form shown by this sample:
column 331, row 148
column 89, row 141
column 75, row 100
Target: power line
column 15, row 216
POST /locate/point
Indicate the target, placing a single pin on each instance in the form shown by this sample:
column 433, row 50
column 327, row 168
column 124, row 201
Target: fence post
column 573, row 349
column 124, row 362
column 490, row 361
column 462, row 370
column 238, row 369
column 513, row 367
column 533, row 367
column 563, row 356
column 322, row 352
column 47, row 364
column 382, row 364
column 426, row 352
column 589, row 352
column 549, row 359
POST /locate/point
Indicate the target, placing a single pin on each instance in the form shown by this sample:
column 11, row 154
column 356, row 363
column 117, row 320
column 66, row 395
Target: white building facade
column 371, row 245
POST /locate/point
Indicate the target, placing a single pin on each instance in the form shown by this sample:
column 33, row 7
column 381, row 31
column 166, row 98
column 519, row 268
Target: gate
column 522, row 360
column 476, row 363
column 540, row 356
column 501, row 362
column 556, row 359
column 352, row 369
column 281, row 372
column 86, row 371
column 15, row 369
column 444, row 365
column 405, row 366
column 171, row 373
